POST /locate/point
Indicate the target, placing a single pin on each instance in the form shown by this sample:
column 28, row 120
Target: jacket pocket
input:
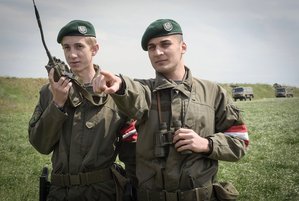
column 146, row 178
column 225, row 191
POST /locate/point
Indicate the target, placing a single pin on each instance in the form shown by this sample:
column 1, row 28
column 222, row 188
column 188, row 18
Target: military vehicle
column 283, row 91
column 242, row 93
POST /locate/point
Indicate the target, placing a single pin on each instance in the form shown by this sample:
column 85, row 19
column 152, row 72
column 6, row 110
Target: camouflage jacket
column 200, row 105
column 81, row 139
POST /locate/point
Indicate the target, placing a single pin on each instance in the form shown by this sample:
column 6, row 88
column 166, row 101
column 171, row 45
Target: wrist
column 122, row 86
column 61, row 108
column 210, row 146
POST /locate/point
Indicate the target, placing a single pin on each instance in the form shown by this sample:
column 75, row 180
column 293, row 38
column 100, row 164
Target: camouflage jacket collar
column 162, row 82
column 97, row 72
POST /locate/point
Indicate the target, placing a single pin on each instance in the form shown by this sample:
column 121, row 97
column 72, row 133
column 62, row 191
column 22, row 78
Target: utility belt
column 198, row 194
column 81, row 179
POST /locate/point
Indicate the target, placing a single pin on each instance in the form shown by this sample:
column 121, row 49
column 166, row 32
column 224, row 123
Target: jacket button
column 89, row 124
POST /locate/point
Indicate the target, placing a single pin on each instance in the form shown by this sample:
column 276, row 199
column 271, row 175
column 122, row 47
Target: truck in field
column 282, row 91
column 242, row 93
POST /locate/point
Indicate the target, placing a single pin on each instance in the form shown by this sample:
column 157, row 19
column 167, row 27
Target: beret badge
column 82, row 29
column 167, row 26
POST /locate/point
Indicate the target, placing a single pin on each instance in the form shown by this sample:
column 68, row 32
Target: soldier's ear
column 95, row 49
column 184, row 47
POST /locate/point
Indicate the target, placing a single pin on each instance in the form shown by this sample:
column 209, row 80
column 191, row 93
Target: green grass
column 20, row 163
column 268, row 172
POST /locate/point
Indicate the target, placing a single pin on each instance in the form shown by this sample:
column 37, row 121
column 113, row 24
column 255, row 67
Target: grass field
column 268, row 172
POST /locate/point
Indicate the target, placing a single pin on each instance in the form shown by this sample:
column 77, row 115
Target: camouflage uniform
column 200, row 105
column 83, row 139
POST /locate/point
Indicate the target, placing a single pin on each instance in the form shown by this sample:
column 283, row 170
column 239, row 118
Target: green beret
column 161, row 27
column 76, row 28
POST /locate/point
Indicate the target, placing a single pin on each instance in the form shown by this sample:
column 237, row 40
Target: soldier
column 185, row 125
column 82, row 136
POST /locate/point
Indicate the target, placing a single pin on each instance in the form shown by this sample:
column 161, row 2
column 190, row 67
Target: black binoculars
column 164, row 139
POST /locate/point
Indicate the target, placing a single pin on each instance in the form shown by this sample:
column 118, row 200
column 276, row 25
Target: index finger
column 106, row 74
column 51, row 75
column 96, row 83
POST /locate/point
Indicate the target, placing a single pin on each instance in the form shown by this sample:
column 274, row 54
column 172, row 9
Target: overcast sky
column 229, row 41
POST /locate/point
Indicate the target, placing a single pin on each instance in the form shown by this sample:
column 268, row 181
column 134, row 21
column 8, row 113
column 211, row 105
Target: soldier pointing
column 185, row 124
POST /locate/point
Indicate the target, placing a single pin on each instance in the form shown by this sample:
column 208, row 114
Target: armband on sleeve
column 129, row 132
column 238, row 131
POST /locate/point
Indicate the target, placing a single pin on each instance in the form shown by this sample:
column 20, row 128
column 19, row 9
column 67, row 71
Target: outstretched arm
column 132, row 97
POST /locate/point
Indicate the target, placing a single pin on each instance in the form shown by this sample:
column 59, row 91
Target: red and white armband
column 238, row 131
column 129, row 132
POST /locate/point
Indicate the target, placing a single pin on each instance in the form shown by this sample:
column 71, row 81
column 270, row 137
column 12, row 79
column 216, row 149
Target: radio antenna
column 42, row 33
